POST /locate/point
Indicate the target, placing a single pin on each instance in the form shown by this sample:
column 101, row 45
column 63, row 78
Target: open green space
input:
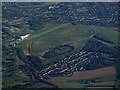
column 61, row 34
column 109, row 32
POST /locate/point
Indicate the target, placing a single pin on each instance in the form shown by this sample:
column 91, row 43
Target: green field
column 61, row 34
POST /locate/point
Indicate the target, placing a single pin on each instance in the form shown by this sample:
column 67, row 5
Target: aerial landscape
column 60, row 45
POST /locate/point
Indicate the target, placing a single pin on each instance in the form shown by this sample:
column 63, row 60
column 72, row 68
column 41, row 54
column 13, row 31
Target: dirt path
column 86, row 74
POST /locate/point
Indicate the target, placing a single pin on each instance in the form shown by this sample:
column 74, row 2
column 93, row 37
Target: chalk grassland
column 68, row 33
column 60, row 34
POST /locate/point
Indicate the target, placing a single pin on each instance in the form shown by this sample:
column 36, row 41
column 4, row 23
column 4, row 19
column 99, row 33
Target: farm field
column 106, row 81
column 85, row 74
column 97, row 82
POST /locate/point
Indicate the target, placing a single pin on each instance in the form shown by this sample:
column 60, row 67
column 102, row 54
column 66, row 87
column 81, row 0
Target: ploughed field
column 81, row 75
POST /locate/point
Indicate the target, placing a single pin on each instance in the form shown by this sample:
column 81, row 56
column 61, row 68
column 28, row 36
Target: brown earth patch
column 75, row 45
column 75, row 38
column 30, row 47
column 64, row 32
column 26, row 53
column 79, row 75
column 20, row 83
column 115, row 28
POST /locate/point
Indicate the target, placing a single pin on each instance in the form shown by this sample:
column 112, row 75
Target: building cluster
column 68, row 65
column 104, row 14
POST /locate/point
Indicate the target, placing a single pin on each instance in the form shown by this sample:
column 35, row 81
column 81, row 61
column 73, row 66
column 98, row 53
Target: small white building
column 51, row 7
column 23, row 37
